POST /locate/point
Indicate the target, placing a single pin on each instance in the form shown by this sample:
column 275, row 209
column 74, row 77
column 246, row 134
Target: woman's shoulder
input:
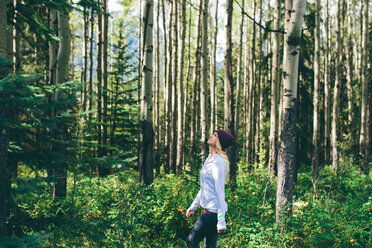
column 219, row 160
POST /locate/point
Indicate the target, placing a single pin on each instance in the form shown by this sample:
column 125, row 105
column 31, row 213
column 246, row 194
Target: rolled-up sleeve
column 195, row 204
column 219, row 176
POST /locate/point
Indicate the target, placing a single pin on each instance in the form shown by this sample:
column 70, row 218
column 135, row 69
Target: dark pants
column 205, row 227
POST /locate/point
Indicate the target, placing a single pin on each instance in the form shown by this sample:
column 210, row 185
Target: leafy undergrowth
column 117, row 211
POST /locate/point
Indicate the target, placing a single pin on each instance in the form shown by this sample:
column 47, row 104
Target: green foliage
column 117, row 211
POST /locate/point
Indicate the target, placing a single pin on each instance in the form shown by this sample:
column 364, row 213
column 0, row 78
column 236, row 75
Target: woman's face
column 213, row 139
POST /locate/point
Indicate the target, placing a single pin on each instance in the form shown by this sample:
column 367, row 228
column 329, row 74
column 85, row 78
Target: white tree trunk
column 274, row 92
column 363, row 147
column 336, row 92
column 315, row 158
column 181, row 53
column 287, row 153
column 147, row 133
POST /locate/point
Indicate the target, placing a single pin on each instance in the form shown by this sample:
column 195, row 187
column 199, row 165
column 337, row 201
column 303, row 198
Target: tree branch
column 258, row 24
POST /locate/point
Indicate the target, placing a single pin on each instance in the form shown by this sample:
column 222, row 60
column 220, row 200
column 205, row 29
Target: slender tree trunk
column 235, row 146
column 326, row 87
column 180, row 109
column 147, row 133
column 53, row 51
column 336, row 92
column 273, row 152
column 363, row 145
column 85, row 60
column 99, row 86
column 186, row 93
column 213, row 76
column 157, row 93
column 252, row 79
column 90, row 87
column 259, row 98
column 105, row 77
column 203, row 84
column 228, row 90
column 246, row 93
column 349, row 61
column 166, row 96
column 193, row 122
column 173, row 147
column 61, row 77
column 294, row 18
column 169, row 93
column 315, row 156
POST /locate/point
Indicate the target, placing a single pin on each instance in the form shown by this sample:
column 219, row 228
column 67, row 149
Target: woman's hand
column 189, row 213
column 221, row 231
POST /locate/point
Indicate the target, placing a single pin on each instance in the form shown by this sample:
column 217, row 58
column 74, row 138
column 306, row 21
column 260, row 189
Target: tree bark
column 196, row 78
column 336, row 92
column 99, row 86
column 363, row 145
column 166, row 96
column 326, row 87
column 157, row 93
column 228, row 90
column 105, row 77
column 61, row 77
column 180, row 109
column 213, row 76
column 203, row 84
column 173, row 147
column 90, row 87
column 238, row 87
column 147, row 133
column 273, row 152
column 294, row 18
column 315, row 156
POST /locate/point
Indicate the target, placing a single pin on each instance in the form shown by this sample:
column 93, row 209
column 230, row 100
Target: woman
column 211, row 195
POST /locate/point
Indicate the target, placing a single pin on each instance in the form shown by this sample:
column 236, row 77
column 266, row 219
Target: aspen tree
column 336, row 92
column 165, row 77
column 83, row 77
column 157, row 93
column 204, row 79
column 181, row 53
column 173, row 149
column 61, row 77
column 349, row 65
column 196, row 78
column 274, row 92
column 90, row 87
column 327, row 55
column 315, row 156
column 168, row 143
column 294, row 19
column 363, row 145
column 147, row 133
column 228, row 89
column 251, row 90
column 99, row 86
column 105, row 77
column 234, row 152
column 213, row 76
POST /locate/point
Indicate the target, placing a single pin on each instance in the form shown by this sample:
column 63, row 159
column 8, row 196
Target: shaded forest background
column 104, row 116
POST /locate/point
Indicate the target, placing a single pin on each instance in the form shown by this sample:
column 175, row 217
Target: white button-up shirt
column 211, row 195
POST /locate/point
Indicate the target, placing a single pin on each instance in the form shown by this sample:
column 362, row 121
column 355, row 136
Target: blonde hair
column 224, row 156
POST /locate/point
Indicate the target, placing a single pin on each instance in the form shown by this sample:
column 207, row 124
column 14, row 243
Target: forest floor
column 117, row 211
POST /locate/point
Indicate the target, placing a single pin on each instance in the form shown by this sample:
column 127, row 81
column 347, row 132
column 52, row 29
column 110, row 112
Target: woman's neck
column 213, row 150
